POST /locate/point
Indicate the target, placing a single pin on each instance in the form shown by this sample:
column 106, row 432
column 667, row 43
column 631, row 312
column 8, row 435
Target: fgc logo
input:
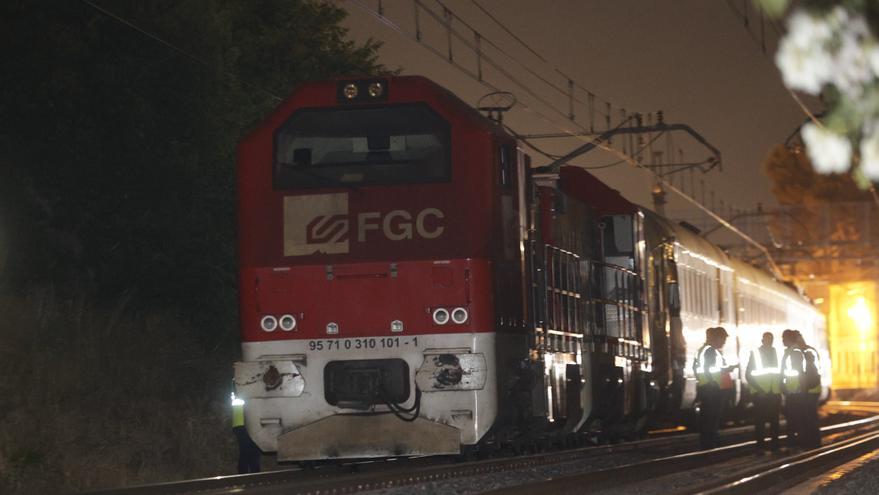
column 322, row 224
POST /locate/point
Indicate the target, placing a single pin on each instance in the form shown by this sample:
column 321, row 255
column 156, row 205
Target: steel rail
column 316, row 481
column 432, row 473
column 791, row 471
column 331, row 480
column 617, row 477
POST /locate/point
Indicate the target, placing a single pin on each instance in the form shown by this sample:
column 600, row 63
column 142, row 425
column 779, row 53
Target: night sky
column 693, row 59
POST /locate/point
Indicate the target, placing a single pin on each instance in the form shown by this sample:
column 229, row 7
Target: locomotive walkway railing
column 580, row 299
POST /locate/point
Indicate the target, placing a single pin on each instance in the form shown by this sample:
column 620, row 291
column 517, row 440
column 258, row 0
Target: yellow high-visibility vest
column 792, row 371
column 811, row 350
column 712, row 374
column 237, row 411
column 768, row 378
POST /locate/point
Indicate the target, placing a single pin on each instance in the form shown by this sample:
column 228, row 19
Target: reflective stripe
column 758, row 360
column 791, row 373
column 237, row 411
column 712, row 374
column 767, row 379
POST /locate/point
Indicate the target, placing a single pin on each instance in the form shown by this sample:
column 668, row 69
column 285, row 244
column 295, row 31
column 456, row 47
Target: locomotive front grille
column 364, row 383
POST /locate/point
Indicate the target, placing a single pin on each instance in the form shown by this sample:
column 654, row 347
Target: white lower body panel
column 295, row 420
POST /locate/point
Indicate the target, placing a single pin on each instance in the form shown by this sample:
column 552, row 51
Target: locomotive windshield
column 401, row 144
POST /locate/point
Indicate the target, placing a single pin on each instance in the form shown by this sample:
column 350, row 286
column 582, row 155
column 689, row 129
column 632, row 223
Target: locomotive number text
column 365, row 343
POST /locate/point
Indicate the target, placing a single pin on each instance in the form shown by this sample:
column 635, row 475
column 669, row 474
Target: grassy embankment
column 97, row 396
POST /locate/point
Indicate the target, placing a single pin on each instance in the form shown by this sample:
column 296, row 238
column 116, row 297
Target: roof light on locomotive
column 350, row 91
column 376, row 89
column 361, row 90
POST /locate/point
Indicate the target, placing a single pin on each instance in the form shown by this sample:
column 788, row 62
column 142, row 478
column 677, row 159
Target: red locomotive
column 409, row 285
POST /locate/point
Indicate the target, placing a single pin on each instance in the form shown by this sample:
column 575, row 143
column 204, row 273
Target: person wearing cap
column 792, row 363
column 764, row 381
column 713, row 378
column 811, row 387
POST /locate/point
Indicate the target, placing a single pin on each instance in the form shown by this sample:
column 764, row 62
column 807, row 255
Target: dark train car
column 589, row 229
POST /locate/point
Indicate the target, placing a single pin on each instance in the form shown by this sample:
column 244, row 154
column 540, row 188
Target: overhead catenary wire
column 762, row 44
column 637, row 152
column 778, row 32
column 507, row 30
column 444, row 20
column 380, row 16
column 505, row 73
column 551, row 156
column 177, row 49
column 746, row 20
column 417, row 38
column 537, row 54
column 529, row 70
column 811, row 115
column 390, row 23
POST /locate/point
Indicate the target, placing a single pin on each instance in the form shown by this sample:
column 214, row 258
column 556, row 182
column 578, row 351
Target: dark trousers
column 711, row 409
column 766, row 410
column 248, row 452
column 793, row 414
column 810, row 430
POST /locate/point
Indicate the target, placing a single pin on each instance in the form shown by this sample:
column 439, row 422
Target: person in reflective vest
column 248, row 452
column 811, row 386
column 791, row 378
column 764, row 381
column 712, row 374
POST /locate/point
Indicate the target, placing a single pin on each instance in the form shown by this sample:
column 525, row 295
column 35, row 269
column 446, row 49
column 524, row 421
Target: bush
column 99, row 396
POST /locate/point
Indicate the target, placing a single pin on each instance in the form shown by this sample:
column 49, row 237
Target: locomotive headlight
column 287, row 323
column 396, row 326
column 460, row 315
column 350, row 91
column 376, row 89
column 440, row 316
column 332, row 328
column 268, row 323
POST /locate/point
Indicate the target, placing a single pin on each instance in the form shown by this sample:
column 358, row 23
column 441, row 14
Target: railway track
column 351, row 478
column 611, row 466
column 697, row 472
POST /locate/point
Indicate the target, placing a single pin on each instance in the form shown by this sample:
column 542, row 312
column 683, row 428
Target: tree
column 831, row 49
column 119, row 149
column 795, row 182
column 826, row 221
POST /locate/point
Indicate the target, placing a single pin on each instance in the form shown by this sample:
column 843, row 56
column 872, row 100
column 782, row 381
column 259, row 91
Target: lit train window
column 332, row 147
column 703, row 295
column 685, row 290
column 691, row 291
column 706, row 295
